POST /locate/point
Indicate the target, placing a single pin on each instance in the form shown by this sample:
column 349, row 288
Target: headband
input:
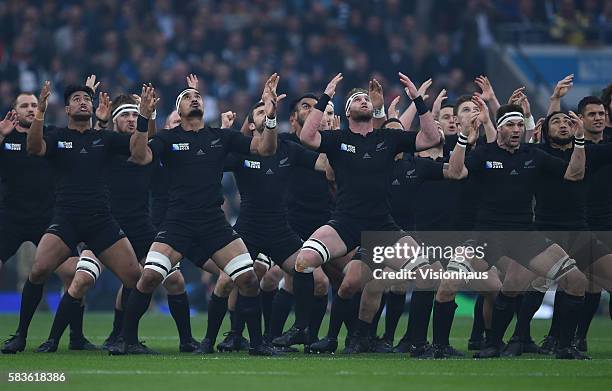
column 125, row 108
column 351, row 99
column 513, row 115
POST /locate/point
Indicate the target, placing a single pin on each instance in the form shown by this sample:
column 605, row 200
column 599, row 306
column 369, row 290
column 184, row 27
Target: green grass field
column 175, row 371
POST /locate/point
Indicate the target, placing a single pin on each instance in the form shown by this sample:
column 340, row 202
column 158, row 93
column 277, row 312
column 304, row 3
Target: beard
column 24, row 123
column 301, row 120
column 195, row 113
column 361, row 116
column 81, row 117
column 561, row 140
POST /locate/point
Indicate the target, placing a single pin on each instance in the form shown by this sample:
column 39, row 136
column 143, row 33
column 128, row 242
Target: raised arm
column 7, row 124
column 139, row 148
column 519, row 97
column 35, row 142
column 309, row 136
column 456, row 166
column 487, row 94
column 562, row 87
column 408, row 115
column 429, row 135
column 266, row 145
column 375, row 91
column 485, row 119
column 575, row 168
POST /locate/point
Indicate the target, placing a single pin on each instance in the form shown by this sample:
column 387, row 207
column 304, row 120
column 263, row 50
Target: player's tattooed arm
column 35, row 142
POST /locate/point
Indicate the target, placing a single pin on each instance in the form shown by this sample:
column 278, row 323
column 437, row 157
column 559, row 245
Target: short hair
column 250, row 117
column 606, row 98
column 72, row 88
column 14, row 104
column 448, row 105
column 388, row 121
column 356, row 90
column 123, row 99
column 505, row 109
column 461, row 100
column 293, row 106
column 588, row 100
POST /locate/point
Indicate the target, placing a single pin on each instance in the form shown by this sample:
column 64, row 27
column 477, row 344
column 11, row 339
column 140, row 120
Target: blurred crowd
column 233, row 45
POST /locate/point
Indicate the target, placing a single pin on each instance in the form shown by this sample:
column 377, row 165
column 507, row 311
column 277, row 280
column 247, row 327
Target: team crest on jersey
column 284, row 162
column 216, row 143
column 252, row 164
column 493, row 164
column 12, row 147
column 180, row 147
column 348, row 148
column 381, row 146
column 529, row 164
column 64, row 144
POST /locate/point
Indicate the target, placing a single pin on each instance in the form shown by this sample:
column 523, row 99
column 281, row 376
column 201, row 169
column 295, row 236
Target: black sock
column 68, row 309
column 281, row 307
column 30, row 297
column 532, row 301
column 137, row 305
column 233, row 320
column 179, row 309
column 249, row 309
column 422, row 303
column 362, row 329
column 381, row 306
column 591, row 303
column 303, row 290
column 478, row 325
column 316, row 317
column 443, row 316
column 350, row 320
column 117, row 323
column 569, row 313
column 76, row 326
column 554, row 323
column 395, row 308
column 503, row 312
column 217, row 307
column 267, row 298
column 339, row 311
column 125, row 296
column 237, row 322
column 518, row 301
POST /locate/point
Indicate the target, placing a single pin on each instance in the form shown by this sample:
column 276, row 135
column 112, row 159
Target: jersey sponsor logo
column 180, row 147
column 381, row 146
column 83, row 150
column 395, row 183
column 215, row 143
column 200, row 152
column 269, row 172
column 514, row 172
column 64, row 144
column 367, row 156
column 529, row 164
column 252, row 164
column 12, row 147
column 284, row 162
column 348, row 148
column 493, row 164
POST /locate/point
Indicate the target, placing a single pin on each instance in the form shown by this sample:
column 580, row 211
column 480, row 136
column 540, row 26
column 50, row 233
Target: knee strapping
column 239, row 265
column 265, row 260
column 89, row 265
column 415, row 263
column 318, row 247
column 159, row 263
column 173, row 269
column 561, row 268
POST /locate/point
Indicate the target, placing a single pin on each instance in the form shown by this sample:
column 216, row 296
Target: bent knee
column 175, row 283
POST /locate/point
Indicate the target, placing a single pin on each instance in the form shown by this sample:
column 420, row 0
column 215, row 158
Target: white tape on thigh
column 414, row 263
column 561, row 268
column 318, row 247
column 239, row 265
column 542, row 285
column 174, row 269
column 265, row 260
column 159, row 263
column 89, row 265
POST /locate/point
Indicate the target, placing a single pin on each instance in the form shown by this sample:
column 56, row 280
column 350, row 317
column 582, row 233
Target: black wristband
column 322, row 102
column 142, row 124
column 420, row 105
